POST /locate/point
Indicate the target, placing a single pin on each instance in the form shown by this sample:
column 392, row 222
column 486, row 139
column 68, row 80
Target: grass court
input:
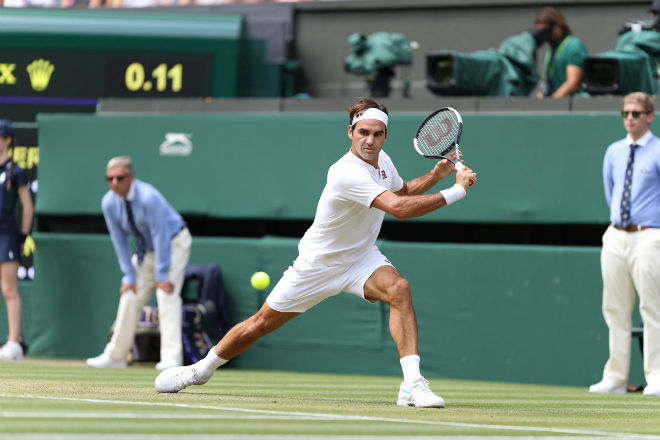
column 64, row 399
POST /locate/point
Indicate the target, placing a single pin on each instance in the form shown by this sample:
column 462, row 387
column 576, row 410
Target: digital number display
column 167, row 75
column 162, row 74
column 56, row 73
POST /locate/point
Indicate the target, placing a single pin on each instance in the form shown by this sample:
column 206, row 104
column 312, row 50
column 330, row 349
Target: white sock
column 410, row 367
column 211, row 362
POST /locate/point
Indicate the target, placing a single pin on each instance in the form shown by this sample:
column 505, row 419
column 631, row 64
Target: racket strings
column 438, row 135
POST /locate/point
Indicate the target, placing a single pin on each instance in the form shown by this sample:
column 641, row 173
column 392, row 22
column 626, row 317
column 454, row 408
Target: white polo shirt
column 345, row 225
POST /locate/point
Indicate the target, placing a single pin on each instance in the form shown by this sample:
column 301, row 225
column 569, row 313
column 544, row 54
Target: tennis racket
column 439, row 134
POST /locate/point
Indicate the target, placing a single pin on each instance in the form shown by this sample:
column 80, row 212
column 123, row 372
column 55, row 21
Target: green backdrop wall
column 533, row 168
column 509, row 313
column 495, row 312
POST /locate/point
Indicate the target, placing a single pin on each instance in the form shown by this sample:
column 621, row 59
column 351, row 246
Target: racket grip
column 459, row 166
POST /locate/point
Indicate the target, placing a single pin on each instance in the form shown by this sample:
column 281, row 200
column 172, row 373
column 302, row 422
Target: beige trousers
column 630, row 261
column 169, row 304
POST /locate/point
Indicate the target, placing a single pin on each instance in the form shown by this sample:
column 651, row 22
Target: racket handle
column 459, row 166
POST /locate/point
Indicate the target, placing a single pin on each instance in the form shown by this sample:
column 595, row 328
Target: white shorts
column 306, row 284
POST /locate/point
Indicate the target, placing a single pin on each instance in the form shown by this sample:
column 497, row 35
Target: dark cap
column 6, row 128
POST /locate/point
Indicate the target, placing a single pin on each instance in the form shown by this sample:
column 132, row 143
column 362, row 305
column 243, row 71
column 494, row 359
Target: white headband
column 370, row 113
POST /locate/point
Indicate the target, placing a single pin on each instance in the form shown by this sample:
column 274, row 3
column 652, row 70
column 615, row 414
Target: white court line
column 141, row 436
column 322, row 416
column 113, row 415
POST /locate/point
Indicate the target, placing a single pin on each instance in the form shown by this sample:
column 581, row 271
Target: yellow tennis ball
column 260, row 280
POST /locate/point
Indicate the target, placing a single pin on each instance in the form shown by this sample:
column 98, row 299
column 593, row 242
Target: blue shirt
column 9, row 197
column 156, row 220
column 645, row 191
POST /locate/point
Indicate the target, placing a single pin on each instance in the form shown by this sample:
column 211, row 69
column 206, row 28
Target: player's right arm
column 408, row 206
column 404, row 207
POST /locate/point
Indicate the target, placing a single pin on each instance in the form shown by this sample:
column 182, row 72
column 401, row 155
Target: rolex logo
column 40, row 71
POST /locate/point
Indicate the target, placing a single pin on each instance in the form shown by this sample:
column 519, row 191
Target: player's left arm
column 409, row 206
column 420, row 185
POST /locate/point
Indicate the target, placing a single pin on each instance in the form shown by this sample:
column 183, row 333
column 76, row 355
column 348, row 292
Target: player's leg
column 301, row 287
column 238, row 339
column 618, row 303
column 243, row 335
column 12, row 350
column 387, row 285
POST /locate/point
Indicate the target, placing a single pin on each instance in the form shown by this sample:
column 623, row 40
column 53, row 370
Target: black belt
column 632, row 228
column 183, row 226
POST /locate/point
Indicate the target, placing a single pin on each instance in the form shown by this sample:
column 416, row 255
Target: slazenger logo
column 176, row 144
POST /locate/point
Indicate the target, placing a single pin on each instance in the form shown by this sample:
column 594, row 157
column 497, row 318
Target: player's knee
column 399, row 293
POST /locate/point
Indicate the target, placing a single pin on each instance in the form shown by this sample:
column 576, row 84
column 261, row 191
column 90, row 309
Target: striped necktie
column 627, row 185
column 140, row 247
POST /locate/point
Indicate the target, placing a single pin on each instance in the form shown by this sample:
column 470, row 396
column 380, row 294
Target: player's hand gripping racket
column 439, row 134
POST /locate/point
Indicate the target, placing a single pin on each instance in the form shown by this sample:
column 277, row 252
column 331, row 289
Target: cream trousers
column 169, row 304
column 630, row 261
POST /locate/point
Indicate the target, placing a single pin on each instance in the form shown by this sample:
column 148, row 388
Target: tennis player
column 338, row 253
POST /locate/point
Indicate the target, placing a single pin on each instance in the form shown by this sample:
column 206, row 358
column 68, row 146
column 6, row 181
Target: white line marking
column 323, row 416
column 141, row 436
column 113, row 415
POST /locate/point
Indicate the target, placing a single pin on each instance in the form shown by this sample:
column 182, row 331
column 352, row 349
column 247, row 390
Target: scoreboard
column 87, row 74
column 75, row 57
column 57, row 61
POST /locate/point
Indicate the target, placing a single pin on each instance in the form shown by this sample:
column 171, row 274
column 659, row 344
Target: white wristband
column 453, row 194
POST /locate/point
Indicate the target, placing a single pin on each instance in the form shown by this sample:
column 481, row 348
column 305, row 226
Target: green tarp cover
column 509, row 70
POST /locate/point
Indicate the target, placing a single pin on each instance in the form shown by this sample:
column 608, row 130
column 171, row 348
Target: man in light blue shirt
column 630, row 258
column 133, row 208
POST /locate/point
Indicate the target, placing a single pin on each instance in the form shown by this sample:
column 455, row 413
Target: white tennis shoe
column 11, row 351
column 607, row 387
column 418, row 394
column 104, row 361
column 175, row 379
column 652, row 390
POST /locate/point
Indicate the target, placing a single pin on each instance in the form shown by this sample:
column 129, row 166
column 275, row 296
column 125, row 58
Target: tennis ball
column 260, row 280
